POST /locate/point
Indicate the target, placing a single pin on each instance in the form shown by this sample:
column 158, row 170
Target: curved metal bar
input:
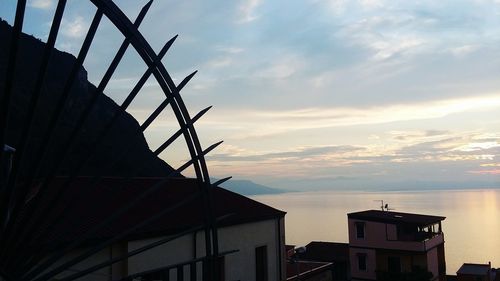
column 107, row 76
column 104, row 244
column 13, row 207
column 97, row 179
column 4, row 114
column 153, row 61
column 25, row 136
column 166, row 83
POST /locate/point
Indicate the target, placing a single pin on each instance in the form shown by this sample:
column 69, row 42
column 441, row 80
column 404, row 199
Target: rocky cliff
column 122, row 139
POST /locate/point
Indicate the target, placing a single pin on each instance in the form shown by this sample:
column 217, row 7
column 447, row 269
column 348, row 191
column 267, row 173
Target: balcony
column 416, row 274
column 420, row 243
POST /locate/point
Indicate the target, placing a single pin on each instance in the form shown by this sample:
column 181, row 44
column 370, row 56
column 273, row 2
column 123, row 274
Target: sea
column 471, row 228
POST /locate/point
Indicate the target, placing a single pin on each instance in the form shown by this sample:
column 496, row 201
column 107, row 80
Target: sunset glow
column 328, row 93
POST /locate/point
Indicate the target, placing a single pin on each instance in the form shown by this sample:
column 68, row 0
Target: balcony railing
column 417, row 236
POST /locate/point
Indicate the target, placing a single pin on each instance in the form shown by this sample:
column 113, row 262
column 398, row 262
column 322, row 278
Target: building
column 386, row 245
column 299, row 268
column 476, row 272
column 333, row 252
column 251, row 235
column 309, row 271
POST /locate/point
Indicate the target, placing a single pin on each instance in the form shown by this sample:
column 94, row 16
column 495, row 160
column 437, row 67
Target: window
column 221, row 267
column 261, row 263
column 394, row 264
column 362, row 262
column 360, row 230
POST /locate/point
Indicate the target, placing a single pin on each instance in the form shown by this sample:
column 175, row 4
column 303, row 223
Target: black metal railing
column 25, row 216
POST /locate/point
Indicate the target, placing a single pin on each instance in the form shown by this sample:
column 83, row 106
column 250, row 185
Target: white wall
column 103, row 274
column 245, row 238
column 238, row 266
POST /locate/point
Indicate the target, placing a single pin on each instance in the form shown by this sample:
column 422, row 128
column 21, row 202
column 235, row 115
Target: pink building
column 386, row 245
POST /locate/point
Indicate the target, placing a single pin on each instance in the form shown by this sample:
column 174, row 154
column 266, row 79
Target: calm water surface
column 471, row 227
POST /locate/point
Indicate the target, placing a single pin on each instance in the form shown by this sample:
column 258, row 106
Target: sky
column 316, row 94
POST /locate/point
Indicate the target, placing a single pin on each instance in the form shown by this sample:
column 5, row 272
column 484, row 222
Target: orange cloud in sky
column 486, row 172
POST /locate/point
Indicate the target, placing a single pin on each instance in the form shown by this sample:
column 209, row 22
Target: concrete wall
column 238, row 266
column 371, row 264
column 245, row 238
column 176, row 251
column 432, row 262
column 103, row 274
column 392, row 231
column 408, row 261
column 381, row 235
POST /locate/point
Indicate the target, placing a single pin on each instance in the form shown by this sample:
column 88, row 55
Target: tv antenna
column 384, row 207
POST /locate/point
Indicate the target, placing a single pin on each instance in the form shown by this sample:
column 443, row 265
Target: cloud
column 247, row 11
column 463, row 50
column 417, row 135
column 74, row 28
column 479, row 146
column 283, row 67
column 261, row 123
column 299, row 153
column 41, row 4
column 229, row 49
column 386, row 36
column 434, row 148
column 491, row 165
column 425, row 156
column 370, row 4
column 486, row 172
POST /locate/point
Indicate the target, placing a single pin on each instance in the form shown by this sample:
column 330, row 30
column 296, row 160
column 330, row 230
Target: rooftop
column 326, row 252
column 95, row 203
column 474, row 269
column 395, row 217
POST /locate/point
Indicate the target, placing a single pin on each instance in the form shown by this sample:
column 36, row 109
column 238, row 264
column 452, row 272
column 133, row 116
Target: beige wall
column 241, row 265
column 238, row 266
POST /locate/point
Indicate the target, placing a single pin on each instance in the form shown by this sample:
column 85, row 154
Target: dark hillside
column 120, row 138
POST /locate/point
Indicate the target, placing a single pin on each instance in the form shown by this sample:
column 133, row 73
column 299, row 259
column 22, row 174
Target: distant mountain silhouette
column 246, row 187
column 122, row 137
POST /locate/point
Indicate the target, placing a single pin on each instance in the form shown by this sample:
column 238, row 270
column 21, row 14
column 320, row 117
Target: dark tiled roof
column 326, row 252
column 94, row 204
column 395, row 217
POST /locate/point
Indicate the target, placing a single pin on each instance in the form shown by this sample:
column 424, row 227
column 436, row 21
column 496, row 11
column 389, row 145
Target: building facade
column 251, row 235
column 476, row 272
column 386, row 245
